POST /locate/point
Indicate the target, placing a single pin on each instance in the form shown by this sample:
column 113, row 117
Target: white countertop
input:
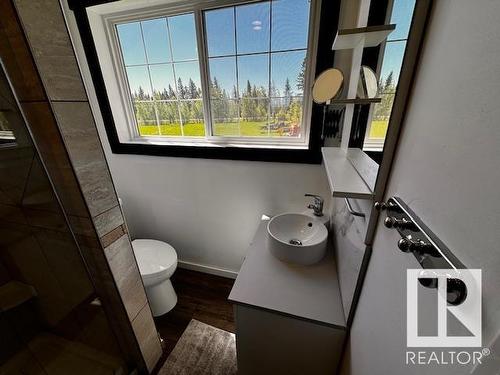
column 306, row 292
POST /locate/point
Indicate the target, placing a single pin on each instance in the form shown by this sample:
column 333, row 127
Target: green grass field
column 378, row 129
column 193, row 130
column 248, row 129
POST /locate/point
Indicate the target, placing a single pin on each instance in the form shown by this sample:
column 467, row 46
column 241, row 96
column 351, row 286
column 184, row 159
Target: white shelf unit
column 344, row 179
column 370, row 36
column 366, row 167
column 356, row 101
column 356, row 40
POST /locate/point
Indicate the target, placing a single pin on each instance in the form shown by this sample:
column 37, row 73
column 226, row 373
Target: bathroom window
column 390, row 65
column 160, row 61
column 208, row 74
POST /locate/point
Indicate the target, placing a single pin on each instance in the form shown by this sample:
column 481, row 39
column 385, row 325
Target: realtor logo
column 468, row 313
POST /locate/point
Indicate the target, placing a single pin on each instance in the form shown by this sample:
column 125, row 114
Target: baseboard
column 207, row 269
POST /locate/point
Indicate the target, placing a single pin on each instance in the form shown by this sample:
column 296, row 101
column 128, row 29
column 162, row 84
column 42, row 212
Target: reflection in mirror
column 367, row 83
column 381, row 69
column 388, row 67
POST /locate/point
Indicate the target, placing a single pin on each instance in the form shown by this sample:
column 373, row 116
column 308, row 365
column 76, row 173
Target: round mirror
column 367, row 84
column 327, row 85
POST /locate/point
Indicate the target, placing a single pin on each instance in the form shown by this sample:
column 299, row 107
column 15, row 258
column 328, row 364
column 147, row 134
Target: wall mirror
column 374, row 107
column 383, row 63
column 367, row 84
column 327, row 86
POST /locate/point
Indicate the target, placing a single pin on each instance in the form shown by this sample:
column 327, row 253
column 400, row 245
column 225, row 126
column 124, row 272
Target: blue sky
column 246, row 29
column 402, row 13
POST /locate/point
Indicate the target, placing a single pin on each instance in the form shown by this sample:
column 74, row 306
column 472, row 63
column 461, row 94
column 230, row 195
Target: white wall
column 447, row 170
column 207, row 209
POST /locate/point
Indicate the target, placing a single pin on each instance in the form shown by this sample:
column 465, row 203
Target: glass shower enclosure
column 51, row 320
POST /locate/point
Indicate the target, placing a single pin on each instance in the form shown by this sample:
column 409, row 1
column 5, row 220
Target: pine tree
column 140, row 94
column 197, row 110
column 384, row 108
column 170, row 113
column 287, row 89
column 164, row 94
column 301, row 76
column 215, row 89
column 193, row 89
column 274, row 93
column 217, row 105
column 145, row 113
column 287, row 92
column 389, row 84
column 171, row 92
column 180, row 88
column 249, row 89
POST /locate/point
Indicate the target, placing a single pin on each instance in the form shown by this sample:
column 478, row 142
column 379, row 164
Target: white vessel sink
column 297, row 238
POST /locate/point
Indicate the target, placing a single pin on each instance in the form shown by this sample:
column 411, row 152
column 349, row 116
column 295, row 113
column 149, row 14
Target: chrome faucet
column 317, row 205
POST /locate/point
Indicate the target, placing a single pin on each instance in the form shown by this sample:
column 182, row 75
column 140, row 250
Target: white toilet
column 157, row 261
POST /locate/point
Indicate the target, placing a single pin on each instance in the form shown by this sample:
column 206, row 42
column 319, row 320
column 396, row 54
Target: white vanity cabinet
column 289, row 318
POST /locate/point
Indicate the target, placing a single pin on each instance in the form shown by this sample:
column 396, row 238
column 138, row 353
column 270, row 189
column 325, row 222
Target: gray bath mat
column 202, row 349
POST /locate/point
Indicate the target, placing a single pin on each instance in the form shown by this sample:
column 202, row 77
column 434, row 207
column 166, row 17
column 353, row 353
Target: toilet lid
column 153, row 256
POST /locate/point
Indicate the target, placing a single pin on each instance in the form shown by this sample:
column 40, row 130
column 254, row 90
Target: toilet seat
column 157, row 260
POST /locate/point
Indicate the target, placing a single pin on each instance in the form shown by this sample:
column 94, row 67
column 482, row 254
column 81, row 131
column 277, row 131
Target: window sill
column 201, row 142
column 373, row 148
column 374, row 144
column 282, row 154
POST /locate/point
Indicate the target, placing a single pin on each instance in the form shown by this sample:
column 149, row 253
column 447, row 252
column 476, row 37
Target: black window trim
column 312, row 155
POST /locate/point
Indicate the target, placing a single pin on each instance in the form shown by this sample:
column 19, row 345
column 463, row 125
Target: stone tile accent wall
column 52, row 49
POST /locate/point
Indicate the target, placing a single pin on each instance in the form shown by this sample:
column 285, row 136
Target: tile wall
column 65, row 134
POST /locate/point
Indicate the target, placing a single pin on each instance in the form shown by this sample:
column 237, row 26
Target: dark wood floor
column 200, row 296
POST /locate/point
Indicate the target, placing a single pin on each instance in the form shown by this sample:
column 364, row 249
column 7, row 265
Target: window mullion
column 150, row 81
column 197, row 11
column 203, row 62
column 177, row 98
column 269, row 106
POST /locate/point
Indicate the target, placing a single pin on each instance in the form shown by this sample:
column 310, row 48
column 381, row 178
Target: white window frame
column 377, row 144
column 104, row 17
column 374, row 144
